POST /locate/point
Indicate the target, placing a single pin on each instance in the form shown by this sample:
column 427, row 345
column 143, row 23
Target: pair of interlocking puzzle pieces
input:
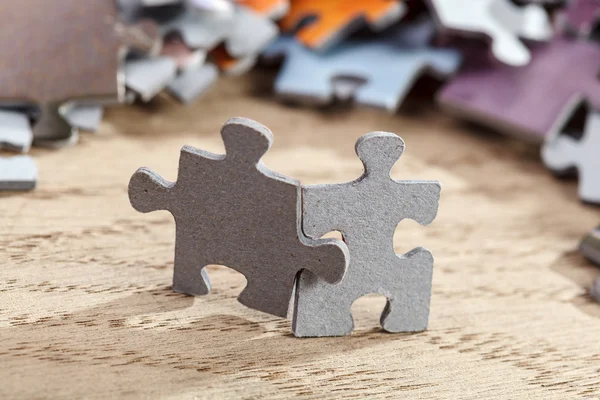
column 232, row 210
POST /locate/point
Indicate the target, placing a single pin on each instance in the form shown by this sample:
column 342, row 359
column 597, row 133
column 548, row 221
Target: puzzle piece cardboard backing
column 366, row 212
column 232, row 210
column 530, row 101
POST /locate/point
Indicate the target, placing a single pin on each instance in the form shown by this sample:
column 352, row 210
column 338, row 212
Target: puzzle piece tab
column 336, row 19
column 389, row 65
column 562, row 152
column 501, row 21
column 532, row 101
column 366, row 212
column 232, row 210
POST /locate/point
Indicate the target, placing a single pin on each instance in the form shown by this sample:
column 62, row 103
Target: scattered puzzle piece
column 532, row 101
column 334, row 20
column 581, row 17
column 192, row 83
column 232, row 210
column 273, row 9
column 149, row 76
column 590, row 247
column 562, row 152
column 184, row 57
column 15, row 131
column 595, row 290
column 366, row 212
column 389, row 65
column 52, row 130
column 17, row 173
column 501, row 21
column 86, row 117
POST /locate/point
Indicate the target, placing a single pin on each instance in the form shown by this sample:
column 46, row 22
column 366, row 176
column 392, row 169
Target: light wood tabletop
column 87, row 310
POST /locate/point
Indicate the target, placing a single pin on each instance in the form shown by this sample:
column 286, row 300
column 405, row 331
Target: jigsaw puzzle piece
column 562, row 152
column 367, row 212
column 86, row 117
column 273, row 9
column 590, row 246
column 192, row 83
column 581, row 17
column 334, row 20
column 15, row 131
column 184, row 57
column 17, row 173
column 389, row 66
column 232, row 210
column 519, row 101
column 502, row 21
column 149, row 76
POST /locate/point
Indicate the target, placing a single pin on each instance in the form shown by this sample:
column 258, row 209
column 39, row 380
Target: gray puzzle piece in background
column 15, row 131
column 502, row 21
column 562, row 152
column 149, row 76
column 86, row 117
column 389, row 65
column 17, row 173
column 366, row 212
column 590, row 246
column 232, row 210
column 192, row 83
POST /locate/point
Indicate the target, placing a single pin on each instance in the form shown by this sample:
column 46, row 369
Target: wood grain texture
column 86, row 308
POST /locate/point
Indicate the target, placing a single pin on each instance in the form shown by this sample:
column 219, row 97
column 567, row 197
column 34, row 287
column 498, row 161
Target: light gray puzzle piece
column 562, row 152
column 149, row 76
column 232, row 210
column 500, row 20
column 595, row 290
column 52, row 130
column 590, row 246
column 389, row 65
column 192, row 83
column 15, row 131
column 86, row 117
column 366, row 212
column 17, row 173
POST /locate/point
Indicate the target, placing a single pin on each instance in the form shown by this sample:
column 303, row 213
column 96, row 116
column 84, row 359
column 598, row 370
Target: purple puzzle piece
column 581, row 17
column 529, row 101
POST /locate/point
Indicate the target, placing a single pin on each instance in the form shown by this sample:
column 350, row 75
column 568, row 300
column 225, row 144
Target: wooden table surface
column 87, row 311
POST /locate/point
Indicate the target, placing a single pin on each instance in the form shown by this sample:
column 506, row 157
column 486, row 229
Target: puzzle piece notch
column 232, row 210
column 389, row 66
column 334, row 20
column 561, row 152
column 502, row 21
column 367, row 211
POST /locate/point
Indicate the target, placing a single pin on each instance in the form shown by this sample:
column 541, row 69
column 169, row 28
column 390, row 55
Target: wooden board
column 86, row 309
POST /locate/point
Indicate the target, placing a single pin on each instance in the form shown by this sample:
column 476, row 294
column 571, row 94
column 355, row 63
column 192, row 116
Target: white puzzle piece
column 192, row 83
column 561, row 153
column 15, row 131
column 17, row 173
column 149, row 76
column 501, row 21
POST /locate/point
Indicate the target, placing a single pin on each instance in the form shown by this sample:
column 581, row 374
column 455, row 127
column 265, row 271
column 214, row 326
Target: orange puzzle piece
column 337, row 18
column 274, row 9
